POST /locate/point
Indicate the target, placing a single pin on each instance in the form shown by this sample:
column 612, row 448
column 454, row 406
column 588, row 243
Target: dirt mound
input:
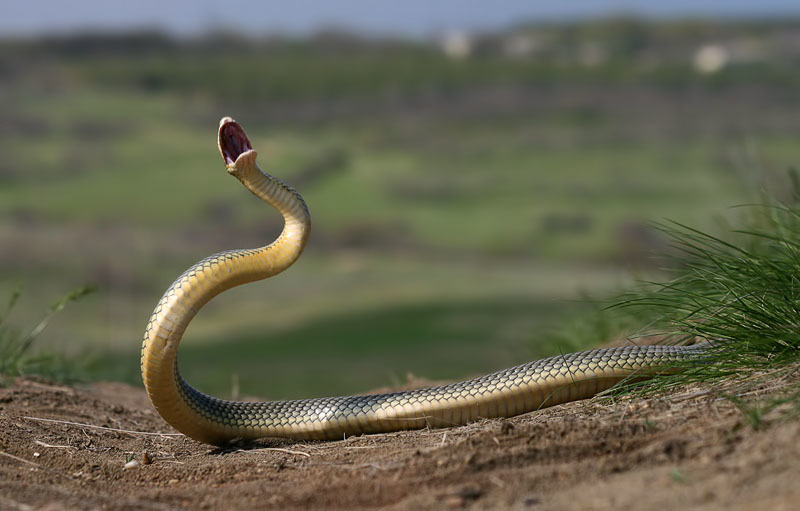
column 66, row 448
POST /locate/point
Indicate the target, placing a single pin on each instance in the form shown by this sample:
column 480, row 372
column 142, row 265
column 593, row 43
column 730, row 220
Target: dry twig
column 278, row 449
column 23, row 460
column 117, row 430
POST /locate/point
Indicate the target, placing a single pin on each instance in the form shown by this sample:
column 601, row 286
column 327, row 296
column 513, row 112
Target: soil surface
column 65, row 448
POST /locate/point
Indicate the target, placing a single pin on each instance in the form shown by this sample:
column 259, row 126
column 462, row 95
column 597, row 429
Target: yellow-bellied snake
column 505, row 393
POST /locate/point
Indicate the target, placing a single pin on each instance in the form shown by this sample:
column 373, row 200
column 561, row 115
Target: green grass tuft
column 17, row 356
column 741, row 293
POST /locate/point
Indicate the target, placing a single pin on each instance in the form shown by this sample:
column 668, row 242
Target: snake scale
column 216, row 421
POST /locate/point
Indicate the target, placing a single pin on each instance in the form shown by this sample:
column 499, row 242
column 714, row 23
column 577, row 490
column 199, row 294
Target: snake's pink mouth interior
column 233, row 142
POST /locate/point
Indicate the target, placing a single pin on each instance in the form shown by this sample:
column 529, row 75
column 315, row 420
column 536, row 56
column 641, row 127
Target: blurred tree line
column 335, row 64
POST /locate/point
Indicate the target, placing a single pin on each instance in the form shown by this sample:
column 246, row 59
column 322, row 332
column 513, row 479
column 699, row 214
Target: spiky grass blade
column 16, row 356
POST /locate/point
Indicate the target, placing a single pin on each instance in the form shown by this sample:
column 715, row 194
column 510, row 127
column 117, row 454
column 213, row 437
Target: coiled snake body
column 207, row 419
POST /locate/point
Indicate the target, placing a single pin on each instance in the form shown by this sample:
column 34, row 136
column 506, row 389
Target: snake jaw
column 234, row 144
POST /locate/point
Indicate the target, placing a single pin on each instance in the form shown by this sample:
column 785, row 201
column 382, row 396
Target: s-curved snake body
column 207, row 419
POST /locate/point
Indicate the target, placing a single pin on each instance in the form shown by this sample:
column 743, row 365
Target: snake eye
column 233, row 141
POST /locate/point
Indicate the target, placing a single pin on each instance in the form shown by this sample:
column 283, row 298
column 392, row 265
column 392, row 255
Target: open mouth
column 233, row 142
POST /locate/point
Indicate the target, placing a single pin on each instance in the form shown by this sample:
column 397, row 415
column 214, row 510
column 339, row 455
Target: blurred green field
column 490, row 190
column 460, row 209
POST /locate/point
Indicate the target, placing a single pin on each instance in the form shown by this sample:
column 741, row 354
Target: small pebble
column 455, row 501
column 131, row 464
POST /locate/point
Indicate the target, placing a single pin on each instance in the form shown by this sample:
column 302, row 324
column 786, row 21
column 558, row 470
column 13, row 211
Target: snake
column 506, row 393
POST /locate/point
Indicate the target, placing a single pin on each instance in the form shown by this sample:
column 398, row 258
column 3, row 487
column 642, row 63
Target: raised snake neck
column 207, row 419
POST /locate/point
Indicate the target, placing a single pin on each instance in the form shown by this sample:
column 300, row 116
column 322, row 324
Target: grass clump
column 741, row 293
column 17, row 356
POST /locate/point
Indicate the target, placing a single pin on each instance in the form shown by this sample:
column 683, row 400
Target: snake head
column 234, row 146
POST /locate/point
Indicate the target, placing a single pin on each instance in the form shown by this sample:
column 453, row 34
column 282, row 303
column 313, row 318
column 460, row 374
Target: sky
column 412, row 18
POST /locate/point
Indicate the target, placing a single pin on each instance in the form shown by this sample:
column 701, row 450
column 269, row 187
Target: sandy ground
column 691, row 450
